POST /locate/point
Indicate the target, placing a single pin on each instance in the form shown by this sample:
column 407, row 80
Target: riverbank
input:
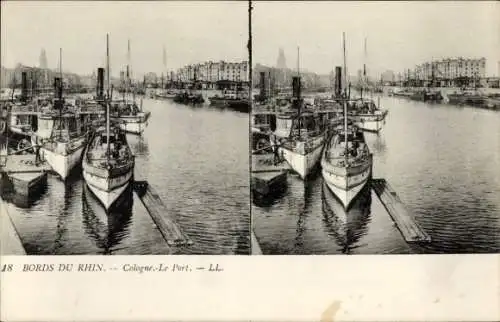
column 10, row 240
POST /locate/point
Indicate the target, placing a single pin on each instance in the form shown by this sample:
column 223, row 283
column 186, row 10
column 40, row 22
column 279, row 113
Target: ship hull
column 107, row 190
column 304, row 163
column 133, row 127
column 133, row 124
column 346, row 187
column 371, row 123
column 63, row 163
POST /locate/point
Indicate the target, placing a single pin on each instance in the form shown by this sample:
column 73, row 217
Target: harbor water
column 196, row 157
column 442, row 160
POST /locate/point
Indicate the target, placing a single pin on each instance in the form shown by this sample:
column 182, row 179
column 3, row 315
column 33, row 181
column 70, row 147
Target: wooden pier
column 405, row 222
column 21, row 174
column 267, row 177
column 171, row 232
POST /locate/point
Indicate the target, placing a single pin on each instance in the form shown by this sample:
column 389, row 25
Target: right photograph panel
column 374, row 128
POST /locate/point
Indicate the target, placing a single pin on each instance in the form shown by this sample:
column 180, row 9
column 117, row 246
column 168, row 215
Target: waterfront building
column 448, row 70
column 210, row 73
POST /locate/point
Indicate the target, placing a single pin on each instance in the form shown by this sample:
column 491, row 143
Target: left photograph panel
column 124, row 128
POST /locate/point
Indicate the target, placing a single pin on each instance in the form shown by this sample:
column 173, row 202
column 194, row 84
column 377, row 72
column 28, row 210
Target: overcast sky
column 399, row 34
column 191, row 32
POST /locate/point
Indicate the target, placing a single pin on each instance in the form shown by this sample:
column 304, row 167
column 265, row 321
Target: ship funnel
column 263, row 88
column 58, row 88
column 100, row 83
column 296, row 87
column 338, row 81
column 24, row 86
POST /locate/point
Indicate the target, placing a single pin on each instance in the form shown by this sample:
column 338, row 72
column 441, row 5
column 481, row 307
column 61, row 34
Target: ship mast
column 59, row 90
column 128, row 70
column 249, row 46
column 345, row 100
column 365, row 78
column 298, row 87
column 109, row 98
column 164, row 67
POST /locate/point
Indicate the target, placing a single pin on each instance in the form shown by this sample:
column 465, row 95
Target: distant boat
column 366, row 115
column 189, row 98
column 233, row 99
column 469, row 97
column 129, row 116
column 427, row 95
column 63, row 150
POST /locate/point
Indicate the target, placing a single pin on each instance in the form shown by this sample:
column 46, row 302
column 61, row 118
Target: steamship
column 302, row 134
column 108, row 162
column 367, row 115
column 63, row 150
column 129, row 116
column 347, row 162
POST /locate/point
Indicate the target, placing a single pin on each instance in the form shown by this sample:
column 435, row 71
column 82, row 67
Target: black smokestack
column 263, row 88
column 58, row 92
column 24, row 85
column 296, row 87
column 338, row 81
column 100, row 83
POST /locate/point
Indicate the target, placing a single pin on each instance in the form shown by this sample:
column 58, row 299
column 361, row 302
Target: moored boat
column 108, row 162
column 367, row 115
column 189, row 98
column 346, row 163
column 129, row 116
column 108, row 168
column 302, row 148
column 63, row 150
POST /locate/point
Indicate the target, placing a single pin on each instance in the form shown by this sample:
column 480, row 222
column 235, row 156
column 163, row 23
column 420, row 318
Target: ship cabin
column 264, row 121
column 307, row 124
column 118, row 148
column 66, row 127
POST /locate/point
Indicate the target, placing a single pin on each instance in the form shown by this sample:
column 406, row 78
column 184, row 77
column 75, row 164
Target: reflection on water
column 196, row 159
column 107, row 228
column 346, row 227
column 442, row 160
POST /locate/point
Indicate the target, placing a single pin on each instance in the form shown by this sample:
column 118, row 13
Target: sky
column 191, row 32
column 399, row 35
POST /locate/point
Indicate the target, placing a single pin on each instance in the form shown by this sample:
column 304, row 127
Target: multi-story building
column 212, row 72
column 451, row 68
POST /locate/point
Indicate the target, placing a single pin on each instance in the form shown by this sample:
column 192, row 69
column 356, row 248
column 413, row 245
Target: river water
column 197, row 160
column 443, row 162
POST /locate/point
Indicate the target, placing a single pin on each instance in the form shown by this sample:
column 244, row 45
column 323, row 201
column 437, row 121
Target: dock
column 402, row 217
column 267, row 177
column 21, row 174
column 169, row 229
column 10, row 242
